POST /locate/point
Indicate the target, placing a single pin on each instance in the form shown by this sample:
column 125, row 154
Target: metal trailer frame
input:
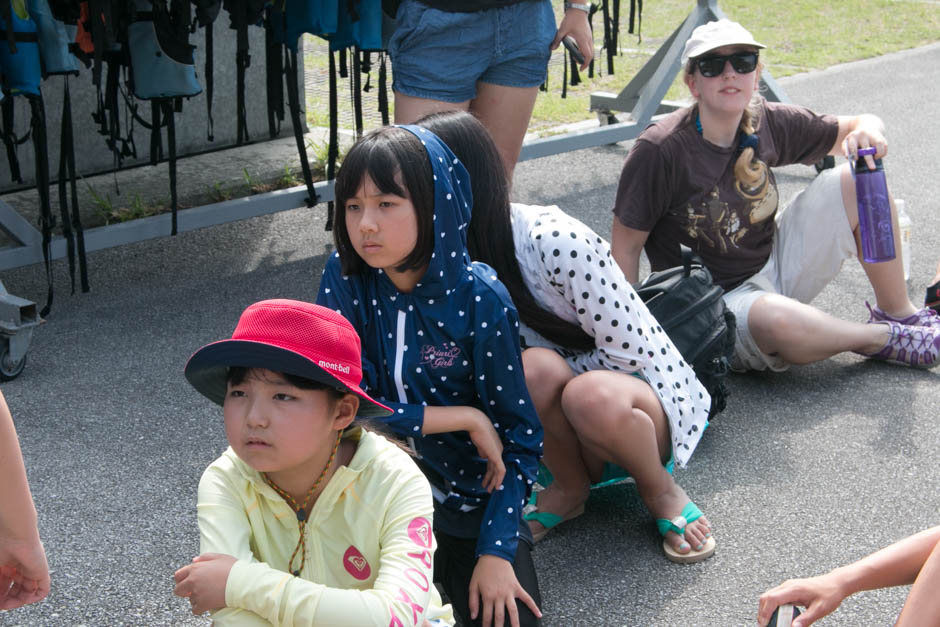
column 18, row 317
column 641, row 99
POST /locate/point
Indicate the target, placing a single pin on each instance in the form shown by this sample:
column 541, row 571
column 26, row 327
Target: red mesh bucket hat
column 291, row 337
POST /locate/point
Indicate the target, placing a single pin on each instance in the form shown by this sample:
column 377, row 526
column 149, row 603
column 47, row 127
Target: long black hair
column 489, row 238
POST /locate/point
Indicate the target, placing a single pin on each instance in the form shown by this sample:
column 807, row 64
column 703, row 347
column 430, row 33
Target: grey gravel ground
column 805, row 470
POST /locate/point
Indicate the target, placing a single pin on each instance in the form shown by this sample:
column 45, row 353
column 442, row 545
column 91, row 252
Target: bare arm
column 626, row 245
column 895, row 565
column 24, row 573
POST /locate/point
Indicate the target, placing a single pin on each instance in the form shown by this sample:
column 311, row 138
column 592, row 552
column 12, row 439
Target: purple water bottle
column 874, row 210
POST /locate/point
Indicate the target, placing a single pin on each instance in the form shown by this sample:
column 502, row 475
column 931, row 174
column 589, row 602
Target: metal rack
column 641, row 99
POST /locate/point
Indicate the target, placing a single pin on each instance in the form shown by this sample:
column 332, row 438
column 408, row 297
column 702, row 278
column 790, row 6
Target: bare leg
column 923, row 604
column 802, row 334
column 505, row 112
column 409, row 109
column 886, row 277
column 618, row 418
column 546, row 374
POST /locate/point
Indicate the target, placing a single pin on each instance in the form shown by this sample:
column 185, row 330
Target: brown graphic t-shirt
column 680, row 188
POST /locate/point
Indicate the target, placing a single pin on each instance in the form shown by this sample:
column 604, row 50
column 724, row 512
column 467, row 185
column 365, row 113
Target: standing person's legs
column 432, row 69
column 505, row 112
column 408, row 109
column 493, row 68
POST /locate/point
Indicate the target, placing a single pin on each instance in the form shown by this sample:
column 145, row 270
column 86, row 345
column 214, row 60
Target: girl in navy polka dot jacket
column 587, row 332
column 440, row 341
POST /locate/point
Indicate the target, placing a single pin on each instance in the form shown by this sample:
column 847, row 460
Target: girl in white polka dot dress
column 608, row 385
column 440, row 342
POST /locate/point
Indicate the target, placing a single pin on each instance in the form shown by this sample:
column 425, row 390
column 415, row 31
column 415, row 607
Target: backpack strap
column 242, row 62
column 564, row 74
column 609, row 43
column 356, row 86
column 156, row 137
column 293, row 96
column 594, row 9
column 46, row 219
column 6, row 14
column 636, row 17
column 210, row 134
column 274, row 64
column 333, row 150
column 383, row 90
column 687, row 258
column 8, row 135
column 169, row 104
column 67, row 176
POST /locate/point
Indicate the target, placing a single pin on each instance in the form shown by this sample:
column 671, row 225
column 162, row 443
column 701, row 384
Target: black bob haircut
column 397, row 162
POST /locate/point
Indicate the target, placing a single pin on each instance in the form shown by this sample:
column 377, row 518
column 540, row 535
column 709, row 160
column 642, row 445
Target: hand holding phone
column 573, row 49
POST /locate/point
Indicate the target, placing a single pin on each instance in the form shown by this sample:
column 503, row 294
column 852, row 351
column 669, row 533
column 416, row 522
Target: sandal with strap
column 548, row 520
column 690, row 513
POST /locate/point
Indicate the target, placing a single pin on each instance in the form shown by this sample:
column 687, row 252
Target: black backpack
column 691, row 310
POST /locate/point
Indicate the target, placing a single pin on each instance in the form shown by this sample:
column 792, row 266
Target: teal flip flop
column 548, row 520
column 690, row 513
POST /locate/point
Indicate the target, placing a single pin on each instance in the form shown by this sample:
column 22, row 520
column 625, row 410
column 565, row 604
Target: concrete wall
column 92, row 155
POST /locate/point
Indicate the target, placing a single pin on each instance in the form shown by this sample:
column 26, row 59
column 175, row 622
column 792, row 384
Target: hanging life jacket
column 55, row 39
column 242, row 13
column 55, row 52
column 19, row 53
column 20, row 67
column 162, row 59
column 163, row 70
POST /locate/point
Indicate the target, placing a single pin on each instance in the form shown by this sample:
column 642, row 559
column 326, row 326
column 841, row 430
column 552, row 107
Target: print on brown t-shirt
column 680, row 188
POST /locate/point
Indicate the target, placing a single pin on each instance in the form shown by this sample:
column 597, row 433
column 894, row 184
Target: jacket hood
column 450, row 261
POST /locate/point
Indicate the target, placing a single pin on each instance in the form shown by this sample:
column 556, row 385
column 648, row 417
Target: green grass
column 801, row 36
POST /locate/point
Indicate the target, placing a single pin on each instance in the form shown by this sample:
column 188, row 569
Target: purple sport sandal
column 914, row 346
column 925, row 317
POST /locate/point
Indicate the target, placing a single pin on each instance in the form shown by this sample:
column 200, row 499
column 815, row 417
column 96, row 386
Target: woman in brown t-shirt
column 701, row 177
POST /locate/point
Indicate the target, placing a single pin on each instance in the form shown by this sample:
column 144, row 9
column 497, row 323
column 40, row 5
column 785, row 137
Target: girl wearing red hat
column 305, row 519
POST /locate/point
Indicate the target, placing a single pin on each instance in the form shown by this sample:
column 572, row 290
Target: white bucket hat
column 715, row 35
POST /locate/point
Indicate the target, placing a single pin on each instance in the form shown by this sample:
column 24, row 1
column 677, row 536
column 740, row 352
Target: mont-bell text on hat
column 332, row 366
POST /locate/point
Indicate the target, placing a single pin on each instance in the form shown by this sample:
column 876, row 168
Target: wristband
column 581, row 7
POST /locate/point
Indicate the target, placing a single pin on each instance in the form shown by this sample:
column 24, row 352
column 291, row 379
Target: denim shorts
column 440, row 55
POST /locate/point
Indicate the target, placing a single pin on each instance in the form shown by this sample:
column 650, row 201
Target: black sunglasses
column 742, row 62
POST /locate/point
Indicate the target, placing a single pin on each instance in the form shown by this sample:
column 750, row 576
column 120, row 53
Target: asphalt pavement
column 804, row 471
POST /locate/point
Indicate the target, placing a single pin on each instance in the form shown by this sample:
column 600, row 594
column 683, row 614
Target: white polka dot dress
column 570, row 271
